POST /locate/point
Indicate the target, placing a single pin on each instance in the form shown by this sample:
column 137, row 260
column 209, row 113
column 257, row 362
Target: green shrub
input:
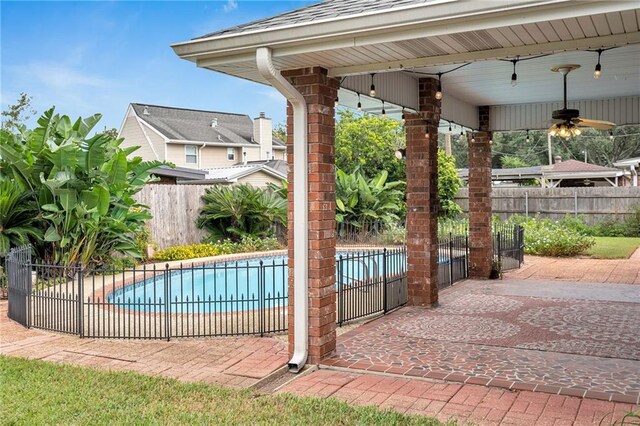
column 191, row 251
column 206, row 249
column 544, row 237
column 393, row 233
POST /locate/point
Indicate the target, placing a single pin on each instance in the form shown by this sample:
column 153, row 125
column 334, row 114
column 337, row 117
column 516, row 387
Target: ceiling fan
column 566, row 121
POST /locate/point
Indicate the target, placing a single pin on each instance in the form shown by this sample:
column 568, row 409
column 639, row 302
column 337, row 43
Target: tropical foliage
column 360, row 200
column 448, row 185
column 82, row 188
column 16, row 213
column 231, row 212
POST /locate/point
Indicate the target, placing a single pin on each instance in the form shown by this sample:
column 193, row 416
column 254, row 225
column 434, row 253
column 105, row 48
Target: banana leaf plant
column 82, row 186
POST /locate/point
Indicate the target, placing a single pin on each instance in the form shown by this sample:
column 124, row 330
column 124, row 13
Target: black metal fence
column 248, row 297
column 370, row 282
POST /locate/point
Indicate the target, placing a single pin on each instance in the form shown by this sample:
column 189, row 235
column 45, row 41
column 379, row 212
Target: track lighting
column 439, row 91
column 403, row 117
column 359, row 104
column 372, row 91
column 598, row 70
column 384, row 113
column 514, row 76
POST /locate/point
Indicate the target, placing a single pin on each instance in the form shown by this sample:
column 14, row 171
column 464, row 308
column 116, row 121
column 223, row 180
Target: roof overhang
column 428, row 37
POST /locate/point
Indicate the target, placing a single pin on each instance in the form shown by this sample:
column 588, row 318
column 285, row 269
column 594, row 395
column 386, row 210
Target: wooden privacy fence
column 175, row 209
column 595, row 204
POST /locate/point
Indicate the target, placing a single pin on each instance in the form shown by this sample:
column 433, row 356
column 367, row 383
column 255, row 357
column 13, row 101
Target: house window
column 191, row 154
column 231, row 154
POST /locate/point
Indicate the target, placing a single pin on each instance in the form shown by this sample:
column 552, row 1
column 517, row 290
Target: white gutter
column 300, row 219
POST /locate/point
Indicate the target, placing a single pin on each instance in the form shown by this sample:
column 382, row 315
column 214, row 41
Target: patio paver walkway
column 479, row 405
column 231, row 361
column 565, row 338
column 612, row 271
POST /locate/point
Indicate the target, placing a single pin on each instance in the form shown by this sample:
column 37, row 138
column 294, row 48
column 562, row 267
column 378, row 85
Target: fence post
column 384, row 280
column 29, row 286
column 81, row 301
column 466, row 257
column 261, row 290
column 450, row 258
column 167, row 304
column 499, row 250
column 340, row 291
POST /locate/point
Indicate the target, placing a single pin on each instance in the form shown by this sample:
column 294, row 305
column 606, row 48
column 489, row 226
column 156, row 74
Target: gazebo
column 477, row 67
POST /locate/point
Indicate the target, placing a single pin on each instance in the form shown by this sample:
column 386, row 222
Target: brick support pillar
column 422, row 197
column 480, row 238
column 319, row 91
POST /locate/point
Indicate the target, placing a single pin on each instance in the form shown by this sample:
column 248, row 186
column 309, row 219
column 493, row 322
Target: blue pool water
column 236, row 286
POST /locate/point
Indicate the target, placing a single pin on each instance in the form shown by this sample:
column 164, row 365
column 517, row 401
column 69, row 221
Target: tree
column 368, row 143
column 448, row 184
column 15, row 115
column 511, row 162
column 82, row 186
column 280, row 132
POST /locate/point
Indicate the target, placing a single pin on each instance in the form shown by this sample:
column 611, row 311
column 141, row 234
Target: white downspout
column 300, row 196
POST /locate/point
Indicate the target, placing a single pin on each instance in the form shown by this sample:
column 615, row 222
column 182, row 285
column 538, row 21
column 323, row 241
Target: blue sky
column 88, row 57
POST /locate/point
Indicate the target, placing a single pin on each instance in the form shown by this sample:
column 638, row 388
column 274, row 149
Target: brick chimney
column 262, row 133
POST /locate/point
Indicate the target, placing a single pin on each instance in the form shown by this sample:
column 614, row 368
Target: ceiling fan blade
column 596, row 124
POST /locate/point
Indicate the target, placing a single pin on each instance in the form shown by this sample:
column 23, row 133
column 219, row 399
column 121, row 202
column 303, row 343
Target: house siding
column 133, row 136
column 260, row 179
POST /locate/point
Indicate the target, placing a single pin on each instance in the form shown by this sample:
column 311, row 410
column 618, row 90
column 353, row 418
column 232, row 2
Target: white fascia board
column 153, row 129
column 226, row 144
column 582, row 175
column 422, row 20
column 130, row 111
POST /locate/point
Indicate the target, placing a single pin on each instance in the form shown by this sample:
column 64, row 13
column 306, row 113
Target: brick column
column 422, row 197
column 480, row 238
column 320, row 92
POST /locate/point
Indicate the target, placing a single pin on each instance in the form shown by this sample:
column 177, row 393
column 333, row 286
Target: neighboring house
column 633, row 167
column 255, row 173
column 569, row 173
column 172, row 175
column 199, row 139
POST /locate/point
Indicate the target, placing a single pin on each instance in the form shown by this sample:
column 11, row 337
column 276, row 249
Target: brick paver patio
column 475, row 404
column 565, row 338
column 231, row 361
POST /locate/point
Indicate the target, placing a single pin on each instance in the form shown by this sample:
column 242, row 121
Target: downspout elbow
column 300, row 195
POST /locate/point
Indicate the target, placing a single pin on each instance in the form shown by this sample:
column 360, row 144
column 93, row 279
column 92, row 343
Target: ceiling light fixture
column 372, row 91
column 359, row 103
column 565, row 130
column 384, row 113
column 439, row 91
column 514, row 76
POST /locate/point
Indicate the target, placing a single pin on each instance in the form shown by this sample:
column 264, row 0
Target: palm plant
column 17, row 213
column 241, row 210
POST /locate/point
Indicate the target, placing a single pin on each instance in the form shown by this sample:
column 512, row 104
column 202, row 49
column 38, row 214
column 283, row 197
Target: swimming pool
column 249, row 284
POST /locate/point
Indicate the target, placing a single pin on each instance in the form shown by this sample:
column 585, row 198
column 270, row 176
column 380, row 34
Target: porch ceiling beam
column 536, row 49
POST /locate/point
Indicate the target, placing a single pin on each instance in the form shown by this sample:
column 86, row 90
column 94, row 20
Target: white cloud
column 59, row 76
column 230, row 5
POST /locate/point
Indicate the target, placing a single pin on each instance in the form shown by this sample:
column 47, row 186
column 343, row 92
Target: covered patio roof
column 415, row 37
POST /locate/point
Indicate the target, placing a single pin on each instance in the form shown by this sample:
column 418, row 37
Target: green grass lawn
column 613, row 247
column 37, row 392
